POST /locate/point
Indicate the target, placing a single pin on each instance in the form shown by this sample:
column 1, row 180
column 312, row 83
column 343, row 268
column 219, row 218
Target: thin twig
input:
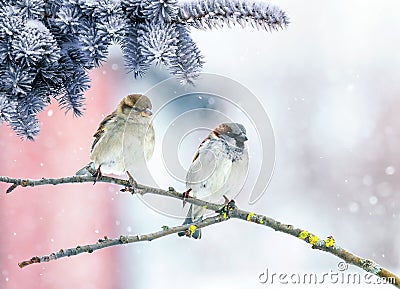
column 328, row 244
column 106, row 242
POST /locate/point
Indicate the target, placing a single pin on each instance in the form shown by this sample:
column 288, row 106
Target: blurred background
column 329, row 85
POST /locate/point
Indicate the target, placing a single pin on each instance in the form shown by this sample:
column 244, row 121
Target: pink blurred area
column 41, row 220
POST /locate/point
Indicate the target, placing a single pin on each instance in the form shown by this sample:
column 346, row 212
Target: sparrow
column 124, row 140
column 219, row 167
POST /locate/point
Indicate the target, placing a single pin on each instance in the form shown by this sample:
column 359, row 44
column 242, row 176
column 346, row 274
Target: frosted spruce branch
column 48, row 47
column 224, row 213
column 216, row 14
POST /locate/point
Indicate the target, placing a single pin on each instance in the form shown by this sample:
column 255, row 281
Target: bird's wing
column 207, row 176
column 101, row 129
column 202, row 166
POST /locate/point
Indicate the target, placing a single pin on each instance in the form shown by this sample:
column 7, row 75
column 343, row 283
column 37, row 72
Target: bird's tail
column 189, row 220
column 88, row 170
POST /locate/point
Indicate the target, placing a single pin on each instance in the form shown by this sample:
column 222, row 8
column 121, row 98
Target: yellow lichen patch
column 329, row 242
column 192, row 228
column 261, row 221
column 303, row 235
column 249, row 216
column 313, row 239
column 224, row 215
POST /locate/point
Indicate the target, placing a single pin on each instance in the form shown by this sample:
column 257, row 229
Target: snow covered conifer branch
column 44, row 54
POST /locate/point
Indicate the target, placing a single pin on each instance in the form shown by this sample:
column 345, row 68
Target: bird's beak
column 146, row 112
column 243, row 137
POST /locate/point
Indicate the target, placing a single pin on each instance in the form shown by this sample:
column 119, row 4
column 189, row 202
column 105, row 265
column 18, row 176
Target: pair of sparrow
column 125, row 140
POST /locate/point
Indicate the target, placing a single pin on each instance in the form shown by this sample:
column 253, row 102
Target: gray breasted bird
column 219, row 167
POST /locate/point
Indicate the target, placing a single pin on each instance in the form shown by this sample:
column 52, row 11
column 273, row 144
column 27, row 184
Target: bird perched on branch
column 219, row 167
column 124, row 140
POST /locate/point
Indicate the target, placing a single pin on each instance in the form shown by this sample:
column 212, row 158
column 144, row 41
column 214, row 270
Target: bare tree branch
column 105, row 242
column 224, row 213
